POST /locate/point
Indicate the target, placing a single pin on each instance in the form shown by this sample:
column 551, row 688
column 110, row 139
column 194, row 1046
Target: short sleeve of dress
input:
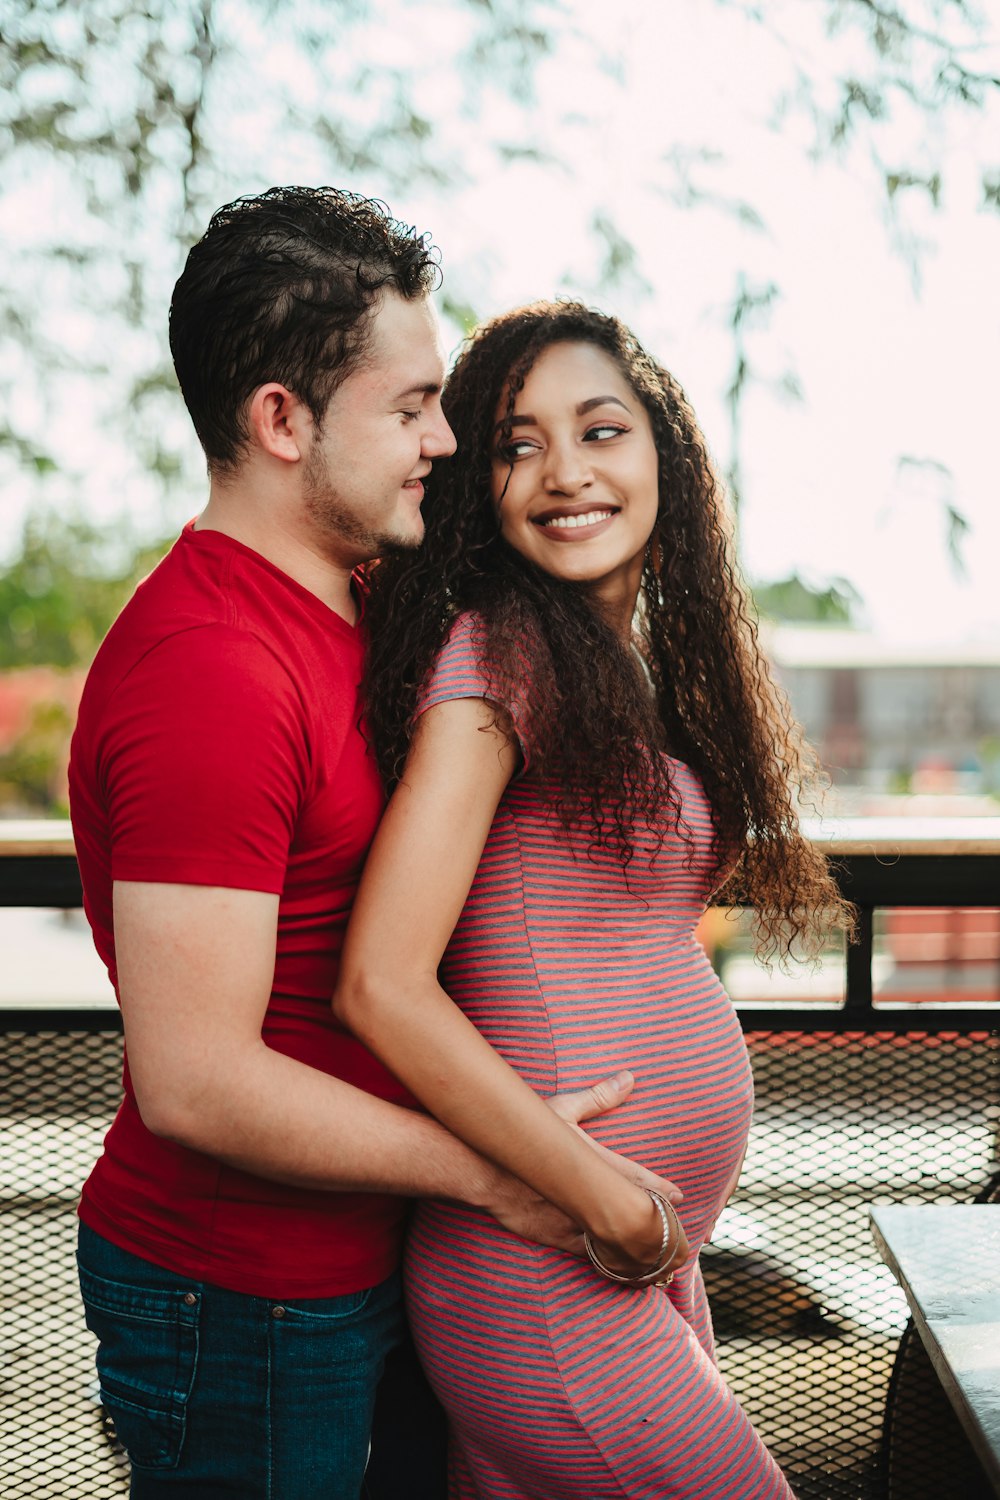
column 458, row 674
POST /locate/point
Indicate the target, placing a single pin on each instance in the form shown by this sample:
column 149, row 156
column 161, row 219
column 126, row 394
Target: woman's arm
column 415, row 884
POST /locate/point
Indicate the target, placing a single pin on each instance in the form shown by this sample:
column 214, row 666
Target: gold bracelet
column 659, row 1275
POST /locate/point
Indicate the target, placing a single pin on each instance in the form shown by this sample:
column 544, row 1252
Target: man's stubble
column 336, row 523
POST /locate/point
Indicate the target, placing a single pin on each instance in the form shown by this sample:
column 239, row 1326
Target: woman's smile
column 574, row 526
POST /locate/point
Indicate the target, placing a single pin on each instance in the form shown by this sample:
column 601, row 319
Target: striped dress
column 560, row 1385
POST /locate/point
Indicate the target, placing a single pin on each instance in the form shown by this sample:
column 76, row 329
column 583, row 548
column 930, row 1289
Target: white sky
column 888, row 368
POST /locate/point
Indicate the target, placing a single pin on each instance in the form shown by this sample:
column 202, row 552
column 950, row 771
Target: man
column 240, row 1234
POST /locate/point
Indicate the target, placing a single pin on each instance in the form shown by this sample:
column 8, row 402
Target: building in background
column 892, row 718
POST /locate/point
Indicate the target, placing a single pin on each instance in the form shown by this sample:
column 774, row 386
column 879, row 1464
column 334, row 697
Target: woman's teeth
column 569, row 523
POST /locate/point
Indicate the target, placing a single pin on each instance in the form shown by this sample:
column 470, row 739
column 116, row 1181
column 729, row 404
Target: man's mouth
column 416, row 481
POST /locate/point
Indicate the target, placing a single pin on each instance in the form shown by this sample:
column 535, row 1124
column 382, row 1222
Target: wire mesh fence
column 58, row 1095
column 808, row 1321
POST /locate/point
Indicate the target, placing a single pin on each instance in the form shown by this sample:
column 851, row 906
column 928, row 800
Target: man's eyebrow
column 526, row 420
column 424, row 388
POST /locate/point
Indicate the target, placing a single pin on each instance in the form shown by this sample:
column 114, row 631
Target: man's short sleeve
column 203, row 762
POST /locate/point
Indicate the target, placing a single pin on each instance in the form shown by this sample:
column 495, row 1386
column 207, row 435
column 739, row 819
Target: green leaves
column 64, row 588
column 794, row 600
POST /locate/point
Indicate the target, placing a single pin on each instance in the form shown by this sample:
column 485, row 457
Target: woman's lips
column 569, row 527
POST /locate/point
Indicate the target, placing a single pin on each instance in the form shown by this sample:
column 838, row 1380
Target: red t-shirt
column 218, row 743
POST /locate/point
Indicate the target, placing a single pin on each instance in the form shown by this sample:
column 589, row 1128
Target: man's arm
column 195, row 966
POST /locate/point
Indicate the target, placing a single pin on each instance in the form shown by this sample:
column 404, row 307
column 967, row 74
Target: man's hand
column 522, row 1211
column 600, row 1099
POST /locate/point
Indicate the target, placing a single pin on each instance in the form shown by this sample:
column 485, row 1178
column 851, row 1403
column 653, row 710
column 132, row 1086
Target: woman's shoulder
column 461, row 671
column 460, row 655
column 465, row 634
column 458, row 670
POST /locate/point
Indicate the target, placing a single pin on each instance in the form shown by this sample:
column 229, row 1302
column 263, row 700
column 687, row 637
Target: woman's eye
column 410, row 416
column 509, row 453
column 603, row 430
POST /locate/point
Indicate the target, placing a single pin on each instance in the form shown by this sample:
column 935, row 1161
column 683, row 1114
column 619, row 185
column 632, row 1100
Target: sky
column 888, row 326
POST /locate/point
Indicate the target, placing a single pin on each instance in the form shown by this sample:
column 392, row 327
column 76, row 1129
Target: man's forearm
column 281, row 1119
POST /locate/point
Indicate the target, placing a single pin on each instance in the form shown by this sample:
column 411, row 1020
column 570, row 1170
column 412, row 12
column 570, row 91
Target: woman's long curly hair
column 544, row 644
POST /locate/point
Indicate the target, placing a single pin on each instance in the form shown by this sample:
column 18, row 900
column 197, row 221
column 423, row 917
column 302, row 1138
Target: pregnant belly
column 669, row 1021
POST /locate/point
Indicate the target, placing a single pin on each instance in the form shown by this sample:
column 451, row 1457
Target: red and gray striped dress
column 560, row 1385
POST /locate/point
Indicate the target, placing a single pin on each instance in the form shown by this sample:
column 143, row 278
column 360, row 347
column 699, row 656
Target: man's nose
column 439, row 440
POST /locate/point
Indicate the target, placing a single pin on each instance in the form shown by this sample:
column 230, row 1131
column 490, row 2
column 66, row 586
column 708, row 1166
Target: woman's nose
column 566, row 470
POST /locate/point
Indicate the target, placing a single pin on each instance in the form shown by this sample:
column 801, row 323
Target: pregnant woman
column 566, row 693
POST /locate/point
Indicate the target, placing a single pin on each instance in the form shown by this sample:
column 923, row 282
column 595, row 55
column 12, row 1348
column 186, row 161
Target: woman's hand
column 637, row 1248
column 635, row 1255
column 526, row 1213
column 567, row 1107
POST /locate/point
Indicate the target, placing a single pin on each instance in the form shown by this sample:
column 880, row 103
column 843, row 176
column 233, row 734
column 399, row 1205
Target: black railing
column 863, row 1101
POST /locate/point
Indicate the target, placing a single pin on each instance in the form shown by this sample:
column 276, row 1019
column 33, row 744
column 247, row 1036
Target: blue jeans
column 217, row 1393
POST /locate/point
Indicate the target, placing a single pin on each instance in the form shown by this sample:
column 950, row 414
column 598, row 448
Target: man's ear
column 280, row 422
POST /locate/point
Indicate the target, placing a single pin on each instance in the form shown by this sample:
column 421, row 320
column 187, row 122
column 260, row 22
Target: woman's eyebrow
column 525, row 419
column 586, row 406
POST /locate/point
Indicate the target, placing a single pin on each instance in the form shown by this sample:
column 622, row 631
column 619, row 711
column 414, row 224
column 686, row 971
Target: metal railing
column 860, row 1101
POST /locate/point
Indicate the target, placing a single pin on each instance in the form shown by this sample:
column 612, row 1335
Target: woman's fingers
column 600, row 1099
column 635, row 1172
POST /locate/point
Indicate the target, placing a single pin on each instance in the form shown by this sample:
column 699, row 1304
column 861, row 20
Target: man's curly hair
column 543, row 642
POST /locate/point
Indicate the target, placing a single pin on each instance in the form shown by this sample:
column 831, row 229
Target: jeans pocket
column 316, row 1313
column 146, row 1360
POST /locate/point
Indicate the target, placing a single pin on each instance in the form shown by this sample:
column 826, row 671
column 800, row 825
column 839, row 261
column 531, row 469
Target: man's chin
column 395, row 546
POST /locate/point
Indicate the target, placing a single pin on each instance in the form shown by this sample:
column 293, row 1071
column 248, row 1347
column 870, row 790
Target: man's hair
column 281, row 287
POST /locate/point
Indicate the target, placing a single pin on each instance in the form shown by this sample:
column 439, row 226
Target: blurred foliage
column 123, row 123
column 795, row 601
column 126, row 122
column 929, row 477
column 58, row 596
column 33, row 768
column 989, row 758
column 63, row 589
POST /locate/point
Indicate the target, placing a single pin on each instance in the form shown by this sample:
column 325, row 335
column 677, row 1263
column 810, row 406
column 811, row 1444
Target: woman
column 566, row 693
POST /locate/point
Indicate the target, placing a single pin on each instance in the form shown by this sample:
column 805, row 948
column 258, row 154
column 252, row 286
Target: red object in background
column 941, row 955
column 38, row 707
column 23, row 691
column 942, row 935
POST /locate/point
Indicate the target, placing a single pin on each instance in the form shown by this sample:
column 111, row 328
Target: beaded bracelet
column 659, row 1275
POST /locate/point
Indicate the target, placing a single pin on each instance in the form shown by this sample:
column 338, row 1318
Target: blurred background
column 795, row 205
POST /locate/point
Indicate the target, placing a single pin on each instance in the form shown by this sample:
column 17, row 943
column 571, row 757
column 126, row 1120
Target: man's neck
column 239, row 512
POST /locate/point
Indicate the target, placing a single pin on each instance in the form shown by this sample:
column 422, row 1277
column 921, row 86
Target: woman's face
column 577, row 485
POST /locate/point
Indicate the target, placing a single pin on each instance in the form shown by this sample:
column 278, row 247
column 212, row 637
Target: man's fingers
column 661, row 1185
column 585, row 1104
column 601, row 1097
column 521, row 1210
